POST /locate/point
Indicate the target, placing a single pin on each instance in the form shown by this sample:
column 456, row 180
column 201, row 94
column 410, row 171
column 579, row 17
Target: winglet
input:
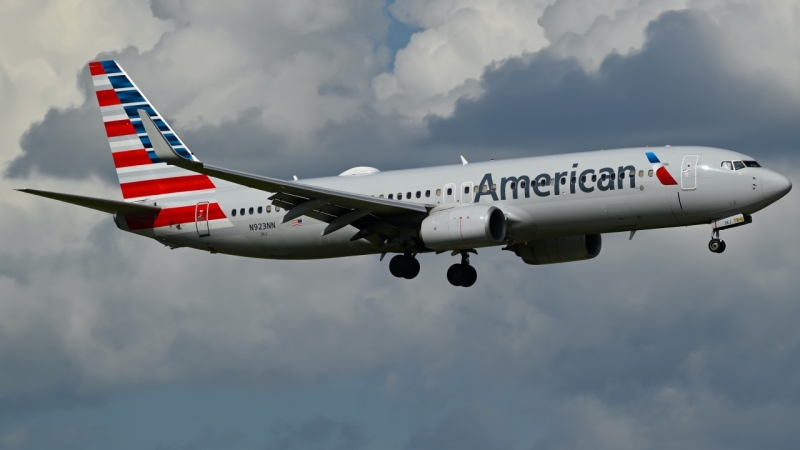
column 463, row 160
column 161, row 146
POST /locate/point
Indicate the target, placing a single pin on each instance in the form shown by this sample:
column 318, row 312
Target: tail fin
column 142, row 176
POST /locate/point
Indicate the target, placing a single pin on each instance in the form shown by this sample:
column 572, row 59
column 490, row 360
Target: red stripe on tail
column 107, row 98
column 131, row 158
column 119, row 128
column 165, row 186
column 95, row 68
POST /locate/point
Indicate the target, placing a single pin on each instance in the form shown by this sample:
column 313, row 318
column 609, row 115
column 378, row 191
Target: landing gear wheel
column 462, row 275
column 721, row 247
column 470, row 275
column 715, row 245
column 455, row 274
column 404, row 266
column 412, row 268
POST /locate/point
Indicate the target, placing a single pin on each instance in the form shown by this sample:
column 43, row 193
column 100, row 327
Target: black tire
column 412, row 268
column 714, row 245
column 397, row 266
column 470, row 275
column 722, row 247
column 455, row 274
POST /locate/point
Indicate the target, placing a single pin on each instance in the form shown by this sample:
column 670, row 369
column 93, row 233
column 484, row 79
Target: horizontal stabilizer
column 99, row 204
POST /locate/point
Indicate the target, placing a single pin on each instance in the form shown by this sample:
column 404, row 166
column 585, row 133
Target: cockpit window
column 738, row 165
column 751, row 164
column 726, row 165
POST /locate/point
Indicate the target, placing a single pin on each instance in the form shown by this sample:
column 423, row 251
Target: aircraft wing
column 377, row 218
column 99, row 204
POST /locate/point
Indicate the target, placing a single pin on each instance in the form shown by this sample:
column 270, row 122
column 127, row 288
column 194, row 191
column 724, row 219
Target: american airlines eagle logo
column 661, row 171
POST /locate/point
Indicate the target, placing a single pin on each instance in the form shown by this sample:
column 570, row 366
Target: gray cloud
column 677, row 90
column 318, row 433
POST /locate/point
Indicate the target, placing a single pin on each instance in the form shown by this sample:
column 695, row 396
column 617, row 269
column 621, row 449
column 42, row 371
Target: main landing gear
column 404, row 266
column 716, row 244
column 462, row 274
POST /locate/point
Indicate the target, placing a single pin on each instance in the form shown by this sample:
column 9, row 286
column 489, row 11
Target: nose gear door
column 689, row 173
column 201, row 219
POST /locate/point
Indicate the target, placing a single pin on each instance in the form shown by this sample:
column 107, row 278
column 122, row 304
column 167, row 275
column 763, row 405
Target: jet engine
column 559, row 250
column 464, row 227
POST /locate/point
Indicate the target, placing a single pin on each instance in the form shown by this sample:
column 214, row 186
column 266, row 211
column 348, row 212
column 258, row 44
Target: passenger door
column 201, row 219
column 689, row 173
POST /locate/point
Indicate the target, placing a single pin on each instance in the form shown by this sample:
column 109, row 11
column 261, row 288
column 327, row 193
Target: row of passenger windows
column 409, row 195
column 573, row 180
column 738, row 165
column 252, row 210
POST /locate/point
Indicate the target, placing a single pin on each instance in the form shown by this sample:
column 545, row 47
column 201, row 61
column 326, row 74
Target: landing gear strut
column 716, row 244
column 462, row 274
column 404, row 266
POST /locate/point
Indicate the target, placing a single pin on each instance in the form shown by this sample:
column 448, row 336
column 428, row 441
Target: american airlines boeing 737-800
column 549, row 209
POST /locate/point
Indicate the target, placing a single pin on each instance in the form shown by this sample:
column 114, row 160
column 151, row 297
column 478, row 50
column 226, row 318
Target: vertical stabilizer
column 142, row 176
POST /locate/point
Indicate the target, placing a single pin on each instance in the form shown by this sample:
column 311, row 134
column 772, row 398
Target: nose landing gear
column 462, row 274
column 716, row 245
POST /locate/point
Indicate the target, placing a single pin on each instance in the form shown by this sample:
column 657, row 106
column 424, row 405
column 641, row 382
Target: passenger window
column 391, row 196
column 544, row 182
column 428, row 193
column 583, row 178
column 641, row 174
column 269, row 208
column 449, row 191
column 241, row 212
column 613, row 176
column 622, row 175
column 738, row 165
column 475, row 189
column 251, row 211
column 726, row 165
column 650, row 173
column 408, row 195
column 277, row 208
column 485, row 188
column 399, row 195
column 419, row 194
column 522, row 185
column 438, row 192
column 233, row 212
column 260, row 209
column 563, row 181
column 603, row 177
column 594, row 178
column 466, row 189
column 380, row 196
column 632, row 174
column 572, row 180
column 494, row 186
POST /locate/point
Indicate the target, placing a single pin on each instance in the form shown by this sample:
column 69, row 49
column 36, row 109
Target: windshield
column 751, row 164
column 737, row 165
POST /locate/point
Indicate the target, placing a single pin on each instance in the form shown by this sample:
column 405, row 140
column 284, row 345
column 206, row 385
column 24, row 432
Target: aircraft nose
column 774, row 185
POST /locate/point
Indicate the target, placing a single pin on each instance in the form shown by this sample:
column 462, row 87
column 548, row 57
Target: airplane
column 545, row 210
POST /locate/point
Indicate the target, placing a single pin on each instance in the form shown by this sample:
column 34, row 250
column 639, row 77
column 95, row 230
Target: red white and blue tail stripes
column 661, row 171
column 141, row 175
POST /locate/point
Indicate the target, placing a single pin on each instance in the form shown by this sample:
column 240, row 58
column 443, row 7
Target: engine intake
column 464, row 227
column 559, row 250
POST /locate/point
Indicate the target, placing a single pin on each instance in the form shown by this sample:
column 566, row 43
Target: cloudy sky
column 109, row 340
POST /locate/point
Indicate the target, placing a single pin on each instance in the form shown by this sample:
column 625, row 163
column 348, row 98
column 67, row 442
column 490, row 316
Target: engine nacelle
column 464, row 227
column 559, row 250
